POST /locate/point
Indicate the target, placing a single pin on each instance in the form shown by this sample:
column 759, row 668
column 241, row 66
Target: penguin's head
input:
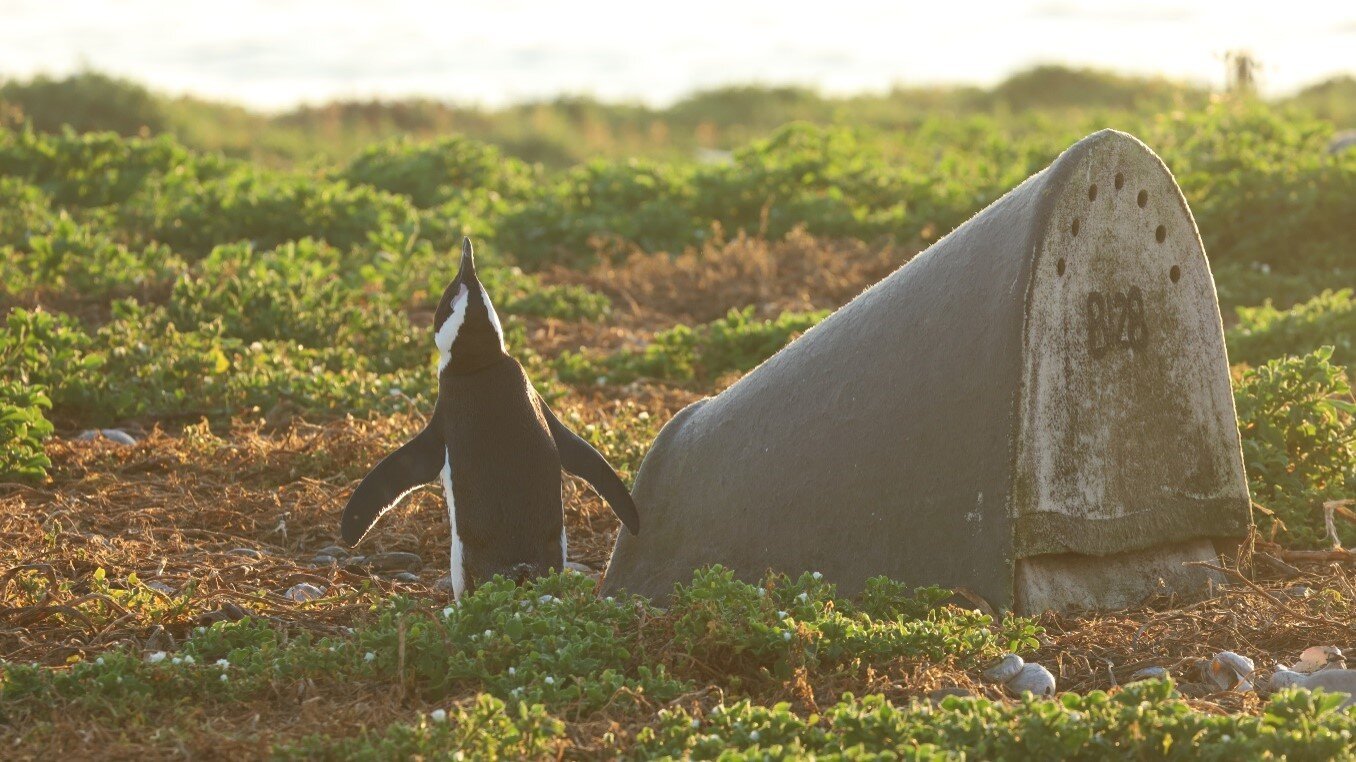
column 466, row 329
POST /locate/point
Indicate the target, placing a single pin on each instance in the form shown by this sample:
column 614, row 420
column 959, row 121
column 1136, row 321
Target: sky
column 273, row 54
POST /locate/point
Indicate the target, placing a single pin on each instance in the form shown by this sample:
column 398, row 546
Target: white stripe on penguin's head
column 446, row 334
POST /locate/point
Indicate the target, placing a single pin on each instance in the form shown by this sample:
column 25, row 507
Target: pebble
column 160, row 587
column 575, row 566
column 246, row 552
column 304, row 591
column 405, row 577
column 395, row 561
column 117, row 436
column 444, row 584
column 324, row 560
column 229, row 612
column 333, row 550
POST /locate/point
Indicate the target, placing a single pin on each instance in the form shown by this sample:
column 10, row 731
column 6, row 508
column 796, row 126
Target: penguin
column 496, row 448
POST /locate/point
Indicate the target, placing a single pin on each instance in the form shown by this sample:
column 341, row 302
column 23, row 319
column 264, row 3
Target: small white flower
column 200, row 630
column 762, row 592
column 610, row 599
column 176, row 660
column 753, row 735
column 447, row 612
column 644, row 415
column 546, row 599
column 223, row 663
column 438, row 715
column 802, row 597
column 817, row 576
column 512, row 671
column 696, row 723
column 189, row 659
column 99, row 661
column 550, row 680
column 156, row 657
column 489, row 633
column 224, row 678
column 786, row 636
column 119, row 678
column 395, row 391
column 781, row 614
column 369, row 656
column 516, row 692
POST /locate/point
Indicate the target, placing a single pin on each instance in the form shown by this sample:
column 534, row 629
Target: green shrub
column 1265, row 332
column 553, row 642
column 85, row 102
column 1298, row 425
column 485, row 730
column 735, row 343
column 767, row 632
column 22, row 431
column 451, row 169
column 1145, row 720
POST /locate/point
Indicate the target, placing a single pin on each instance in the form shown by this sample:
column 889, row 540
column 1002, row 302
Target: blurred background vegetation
column 164, row 259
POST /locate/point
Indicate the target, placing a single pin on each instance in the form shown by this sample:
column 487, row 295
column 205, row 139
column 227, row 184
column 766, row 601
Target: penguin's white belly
column 458, row 570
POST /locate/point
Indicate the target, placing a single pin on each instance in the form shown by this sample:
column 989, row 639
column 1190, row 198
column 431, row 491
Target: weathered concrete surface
column 1019, row 390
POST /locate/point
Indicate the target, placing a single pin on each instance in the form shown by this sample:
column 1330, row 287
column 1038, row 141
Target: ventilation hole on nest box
column 1074, row 227
column 1092, row 193
column 1160, row 234
column 1059, row 268
column 1143, row 199
column 1175, row 273
column 1120, row 180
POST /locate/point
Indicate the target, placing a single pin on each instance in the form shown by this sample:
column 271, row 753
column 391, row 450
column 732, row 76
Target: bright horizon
column 271, row 55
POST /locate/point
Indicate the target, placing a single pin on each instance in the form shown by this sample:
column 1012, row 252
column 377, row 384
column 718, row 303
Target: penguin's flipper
column 416, row 463
column 579, row 458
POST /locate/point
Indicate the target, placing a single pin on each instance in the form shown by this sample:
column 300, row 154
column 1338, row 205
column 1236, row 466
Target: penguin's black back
column 505, row 468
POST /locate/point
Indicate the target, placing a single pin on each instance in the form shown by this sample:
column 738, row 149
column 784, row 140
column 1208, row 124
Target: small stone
column 246, row 552
column 395, row 561
column 160, row 587
column 118, row 436
column 229, row 612
column 333, row 550
column 406, row 577
column 444, row 584
column 355, row 563
column 303, row 592
column 324, row 560
column 575, row 566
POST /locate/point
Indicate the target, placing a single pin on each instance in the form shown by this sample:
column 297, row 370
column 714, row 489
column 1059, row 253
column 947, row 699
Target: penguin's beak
column 468, row 261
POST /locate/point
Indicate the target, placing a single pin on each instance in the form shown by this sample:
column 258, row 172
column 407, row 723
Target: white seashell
column 1315, row 658
column 1230, row 671
column 304, row 591
column 1033, row 678
column 1006, row 669
column 1150, row 673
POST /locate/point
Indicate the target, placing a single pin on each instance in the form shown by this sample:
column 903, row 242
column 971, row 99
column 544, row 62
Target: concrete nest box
column 1037, row 408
